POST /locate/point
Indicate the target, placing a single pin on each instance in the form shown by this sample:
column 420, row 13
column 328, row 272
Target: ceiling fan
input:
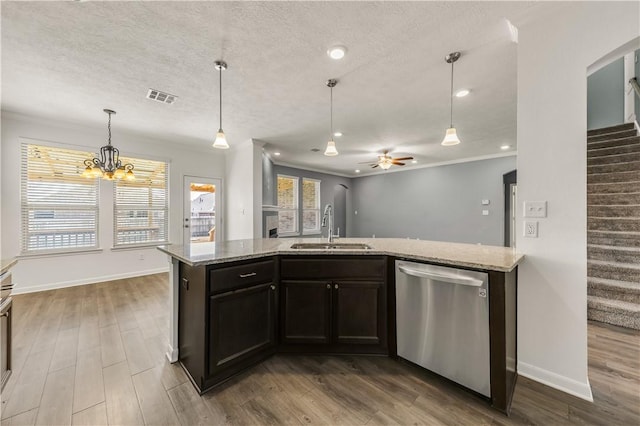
column 385, row 161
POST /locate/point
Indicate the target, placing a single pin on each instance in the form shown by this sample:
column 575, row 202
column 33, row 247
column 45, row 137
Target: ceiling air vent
column 162, row 97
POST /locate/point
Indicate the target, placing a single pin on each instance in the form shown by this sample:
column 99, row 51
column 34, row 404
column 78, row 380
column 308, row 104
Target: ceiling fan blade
column 402, row 158
column 374, row 166
column 368, row 162
column 397, row 163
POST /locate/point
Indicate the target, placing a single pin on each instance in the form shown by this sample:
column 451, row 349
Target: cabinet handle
column 273, row 287
column 329, row 286
column 251, row 274
column 336, row 286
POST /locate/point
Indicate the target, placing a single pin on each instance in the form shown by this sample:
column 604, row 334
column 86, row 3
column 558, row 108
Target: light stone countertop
column 6, row 264
column 492, row 258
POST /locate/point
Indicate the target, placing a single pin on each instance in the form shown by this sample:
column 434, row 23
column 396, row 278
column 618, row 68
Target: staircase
column 613, row 225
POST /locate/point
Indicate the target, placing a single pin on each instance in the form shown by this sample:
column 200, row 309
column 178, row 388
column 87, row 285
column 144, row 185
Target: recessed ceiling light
column 337, row 52
column 414, row 161
column 337, row 134
column 462, row 93
column 505, row 147
column 357, row 171
column 276, row 154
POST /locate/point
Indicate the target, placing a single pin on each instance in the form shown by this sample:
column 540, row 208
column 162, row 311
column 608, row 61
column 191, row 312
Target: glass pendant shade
column 451, row 137
column 331, row 149
column 221, row 140
column 385, row 165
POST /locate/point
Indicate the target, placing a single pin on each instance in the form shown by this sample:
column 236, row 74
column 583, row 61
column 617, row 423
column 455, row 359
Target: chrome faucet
column 327, row 221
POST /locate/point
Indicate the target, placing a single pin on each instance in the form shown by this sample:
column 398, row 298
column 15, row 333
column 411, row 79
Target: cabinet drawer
column 232, row 277
column 361, row 267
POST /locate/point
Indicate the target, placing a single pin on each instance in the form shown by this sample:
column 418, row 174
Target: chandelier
column 108, row 166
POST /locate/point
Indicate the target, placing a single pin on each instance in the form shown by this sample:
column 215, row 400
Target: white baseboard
column 556, row 381
column 92, row 280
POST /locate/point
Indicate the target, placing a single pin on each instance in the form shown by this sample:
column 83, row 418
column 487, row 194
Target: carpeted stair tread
column 613, row 238
column 613, row 159
column 624, row 255
column 613, row 188
column 612, row 211
column 609, row 136
column 624, row 149
column 619, row 139
column 613, row 270
column 611, row 129
column 614, row 177
column 626, row 166
column 625, row 199
column 614, row 290
column 624, row 224
column 625, row 314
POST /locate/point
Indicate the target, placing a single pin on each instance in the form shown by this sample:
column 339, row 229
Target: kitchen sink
column 331, row 246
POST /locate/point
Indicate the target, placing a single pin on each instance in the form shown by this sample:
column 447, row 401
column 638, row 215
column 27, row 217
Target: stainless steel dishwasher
column 442, row 322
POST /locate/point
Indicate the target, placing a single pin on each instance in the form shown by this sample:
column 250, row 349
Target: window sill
column 139, row 246
column 25, row 256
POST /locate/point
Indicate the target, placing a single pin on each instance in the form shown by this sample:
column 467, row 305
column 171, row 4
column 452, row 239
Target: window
column 59, row 207
column 310, row 206
column 141, row 208
column 288, row 204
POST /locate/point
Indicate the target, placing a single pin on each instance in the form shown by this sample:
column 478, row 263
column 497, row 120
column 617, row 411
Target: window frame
column 295, row 210
column 26, row 206
column 163, row 230
column 318, row 197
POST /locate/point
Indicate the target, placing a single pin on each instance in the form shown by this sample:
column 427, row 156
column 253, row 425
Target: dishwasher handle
column 453, row 279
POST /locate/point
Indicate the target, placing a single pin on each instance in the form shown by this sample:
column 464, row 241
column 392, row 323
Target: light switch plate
column 531, row 228
column 535, row 209
column 485, row 202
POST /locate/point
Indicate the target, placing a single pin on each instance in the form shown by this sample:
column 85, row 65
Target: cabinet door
column 359, row 313
column 242, row 324
column 306, row 312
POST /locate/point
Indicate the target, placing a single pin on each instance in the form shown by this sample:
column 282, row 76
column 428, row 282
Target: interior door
column 202, row 217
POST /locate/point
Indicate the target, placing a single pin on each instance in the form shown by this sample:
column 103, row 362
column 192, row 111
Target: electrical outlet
column 531, row 228
column 485, row 212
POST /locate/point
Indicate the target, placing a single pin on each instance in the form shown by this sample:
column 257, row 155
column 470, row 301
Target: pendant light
column 221, row 140
column 331, row 145
column 108, row 166
column 451, row 137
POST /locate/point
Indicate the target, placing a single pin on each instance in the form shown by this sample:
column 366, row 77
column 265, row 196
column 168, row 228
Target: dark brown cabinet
column 345, row 311
column 227, row 318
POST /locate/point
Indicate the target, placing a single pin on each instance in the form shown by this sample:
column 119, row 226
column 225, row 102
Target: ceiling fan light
column 221, row 140
column 385, row 165
column 331, row 149
column 451, row 137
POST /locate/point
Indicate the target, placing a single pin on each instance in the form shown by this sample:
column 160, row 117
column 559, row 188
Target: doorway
column 510, row 181
column 202, row 216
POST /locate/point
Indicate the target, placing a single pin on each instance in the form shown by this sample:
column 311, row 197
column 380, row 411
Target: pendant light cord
column 220, row 71
column 451, row 98
column 331, row 115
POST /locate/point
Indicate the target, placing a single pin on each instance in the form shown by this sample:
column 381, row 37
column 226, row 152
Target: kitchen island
column 235, row 303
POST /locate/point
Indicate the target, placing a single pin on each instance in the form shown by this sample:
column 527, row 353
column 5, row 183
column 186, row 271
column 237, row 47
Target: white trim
column 309, row 169
column 556, row 381
column 614, row 55
column 85, row 281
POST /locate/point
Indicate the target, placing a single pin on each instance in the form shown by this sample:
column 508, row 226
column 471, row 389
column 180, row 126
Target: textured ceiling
column 69, row 60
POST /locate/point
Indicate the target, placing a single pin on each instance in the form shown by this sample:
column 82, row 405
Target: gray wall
column 327, row 185
column 268, row 181
column 438, row 203
column 605, row 96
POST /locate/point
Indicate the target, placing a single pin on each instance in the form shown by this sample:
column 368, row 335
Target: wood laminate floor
column 94, row 355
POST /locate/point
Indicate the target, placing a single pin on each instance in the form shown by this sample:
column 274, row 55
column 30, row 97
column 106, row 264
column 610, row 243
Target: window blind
column 141, row 207
column 310, row 206
column 59, row 207
column 288, row 205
